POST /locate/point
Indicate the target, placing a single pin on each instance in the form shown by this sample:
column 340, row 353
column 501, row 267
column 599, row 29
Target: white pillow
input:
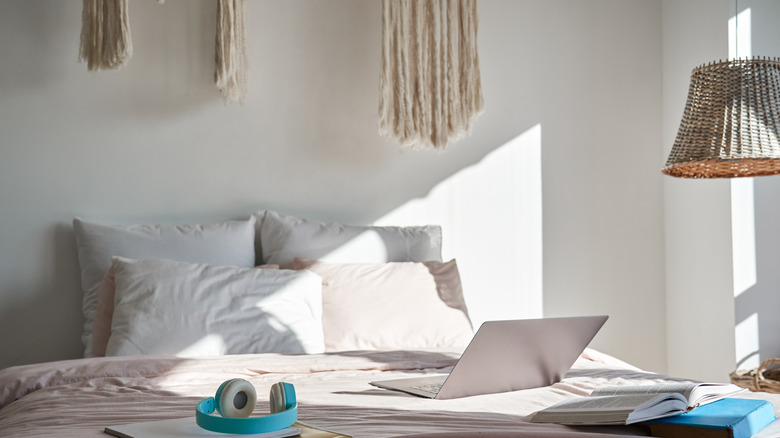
column 282, row 238
column 226, row 243
column 168, row 307
column 367, row 306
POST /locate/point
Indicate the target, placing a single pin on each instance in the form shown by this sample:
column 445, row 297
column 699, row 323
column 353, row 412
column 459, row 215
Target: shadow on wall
column 490, row 214
column 178, row 60
column 25, row 22
column 495, row 200
column 172, row 68
column 33, row 326
column 173, row 59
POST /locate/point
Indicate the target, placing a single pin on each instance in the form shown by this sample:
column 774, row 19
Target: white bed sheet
column 78, row 398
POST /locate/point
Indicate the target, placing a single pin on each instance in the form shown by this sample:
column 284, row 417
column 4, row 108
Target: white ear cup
column 277, row 398
column 237, row 399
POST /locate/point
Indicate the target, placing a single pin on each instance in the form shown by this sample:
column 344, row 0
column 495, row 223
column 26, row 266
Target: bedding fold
column 16, row 382
column 79, row 398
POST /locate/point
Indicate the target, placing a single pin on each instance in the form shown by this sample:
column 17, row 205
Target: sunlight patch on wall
column 743, row 223
column 743, row 234
column 747, row 346
column 740, row 37
column 491, row 218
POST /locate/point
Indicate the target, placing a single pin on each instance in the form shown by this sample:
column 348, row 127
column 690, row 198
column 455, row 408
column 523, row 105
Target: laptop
column 508, row 356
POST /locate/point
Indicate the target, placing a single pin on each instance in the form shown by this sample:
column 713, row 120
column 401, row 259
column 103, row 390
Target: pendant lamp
column 731, row 123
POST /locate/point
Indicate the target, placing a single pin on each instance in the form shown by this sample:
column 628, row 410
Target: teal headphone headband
column 235, row 399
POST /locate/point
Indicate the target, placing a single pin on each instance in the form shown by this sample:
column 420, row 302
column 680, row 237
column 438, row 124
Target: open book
column 632, row 404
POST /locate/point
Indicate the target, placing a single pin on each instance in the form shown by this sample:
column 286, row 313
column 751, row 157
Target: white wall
column 588, row 73
column 700, row 309
column 721, row 243
column 757, row 301
column 154, row 143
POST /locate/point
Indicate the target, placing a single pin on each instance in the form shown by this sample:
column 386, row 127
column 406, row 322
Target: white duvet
column 79, row 398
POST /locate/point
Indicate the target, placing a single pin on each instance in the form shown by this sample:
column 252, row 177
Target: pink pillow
column 104, row 313
column 391, row 305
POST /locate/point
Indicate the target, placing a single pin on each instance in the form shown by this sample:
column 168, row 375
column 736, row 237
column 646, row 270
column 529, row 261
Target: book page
column 684, row 389
column 614, row 409
column 705, row 393
column 625, row 403
column 695, row 394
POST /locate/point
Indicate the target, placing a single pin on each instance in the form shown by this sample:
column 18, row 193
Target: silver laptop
column 508, row 356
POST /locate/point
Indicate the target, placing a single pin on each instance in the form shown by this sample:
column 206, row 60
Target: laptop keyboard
column 429, row 387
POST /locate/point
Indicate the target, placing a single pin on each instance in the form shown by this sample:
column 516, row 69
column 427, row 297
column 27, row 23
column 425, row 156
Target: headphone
column 234, row 402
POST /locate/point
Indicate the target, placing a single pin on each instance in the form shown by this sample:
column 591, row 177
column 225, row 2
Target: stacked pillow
column 383, row 287
column 228, row 243
column 209, row 310
column 196, row 283
column 283, row 238
column 391, row 306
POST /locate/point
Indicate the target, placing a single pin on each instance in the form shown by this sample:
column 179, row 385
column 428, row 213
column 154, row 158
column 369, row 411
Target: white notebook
column 184, row 427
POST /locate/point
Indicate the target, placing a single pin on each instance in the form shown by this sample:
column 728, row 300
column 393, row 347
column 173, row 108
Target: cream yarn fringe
column 231, row 71
column 105, row 34
column 430, row 88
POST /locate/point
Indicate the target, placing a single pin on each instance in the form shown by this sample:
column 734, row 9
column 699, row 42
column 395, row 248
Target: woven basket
column 759, row 379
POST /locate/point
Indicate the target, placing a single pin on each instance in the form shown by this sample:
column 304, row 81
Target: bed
column 149, row 356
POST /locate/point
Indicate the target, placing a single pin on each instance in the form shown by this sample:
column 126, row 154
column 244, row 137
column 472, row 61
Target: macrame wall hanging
column 105, row 34
column 430, row 89
column 230, row 75
column 106, row 42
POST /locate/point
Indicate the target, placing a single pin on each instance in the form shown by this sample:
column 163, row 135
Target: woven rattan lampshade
column 731, row 124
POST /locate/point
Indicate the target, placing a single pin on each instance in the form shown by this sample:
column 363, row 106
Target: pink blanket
column 79, row 398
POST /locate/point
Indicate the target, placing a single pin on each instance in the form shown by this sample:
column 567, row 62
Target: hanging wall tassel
column 105, row 34
column 231, row 71
column 430, row 88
